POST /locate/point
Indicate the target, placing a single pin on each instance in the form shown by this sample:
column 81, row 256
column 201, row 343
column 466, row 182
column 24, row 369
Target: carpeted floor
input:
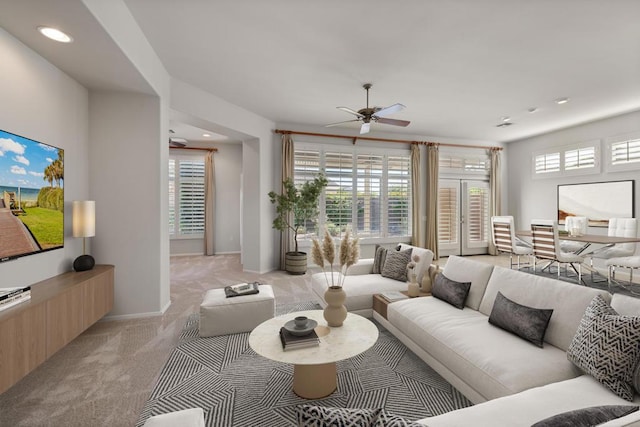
column 237, row 387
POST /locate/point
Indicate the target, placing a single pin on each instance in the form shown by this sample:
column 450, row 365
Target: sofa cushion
column 607, row 347
column 395, row 265
column 530, row 406
column 450, row 291
column 587, row 417
column 426, row 257
column 378, row 259
column 493, row 362
column 359, row 289
column 568, row 300
column 466, row 270
column 526, row 322
column 320, row 416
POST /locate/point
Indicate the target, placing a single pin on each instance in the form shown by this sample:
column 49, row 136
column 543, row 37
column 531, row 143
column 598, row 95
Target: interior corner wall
column 530, row 198
column 41, row 102
column 127, row 151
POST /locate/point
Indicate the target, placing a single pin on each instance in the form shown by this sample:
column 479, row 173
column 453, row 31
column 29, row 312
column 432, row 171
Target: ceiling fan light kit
column 372, row 114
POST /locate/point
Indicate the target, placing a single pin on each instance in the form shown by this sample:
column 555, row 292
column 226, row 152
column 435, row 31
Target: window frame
column 356, row 153
column 562, row 151
column 610, row 142
column 175, row 233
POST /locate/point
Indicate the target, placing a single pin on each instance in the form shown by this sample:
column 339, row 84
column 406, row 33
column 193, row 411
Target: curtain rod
column 369, row 138
column 194, row 148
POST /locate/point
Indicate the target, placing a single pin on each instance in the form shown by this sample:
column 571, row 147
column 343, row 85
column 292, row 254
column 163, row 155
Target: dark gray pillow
column 445, row 289
column 526, row 322
column 395, row 265
column 378, row 259
column 587, row 417
column 317, row 416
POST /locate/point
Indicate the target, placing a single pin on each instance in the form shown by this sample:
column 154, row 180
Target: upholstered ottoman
column 220, row 315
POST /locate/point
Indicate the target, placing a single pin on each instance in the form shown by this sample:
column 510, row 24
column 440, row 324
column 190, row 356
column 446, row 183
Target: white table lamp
column 84, row 225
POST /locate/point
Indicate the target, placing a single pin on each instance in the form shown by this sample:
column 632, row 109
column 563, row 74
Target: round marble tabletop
column 356, row 335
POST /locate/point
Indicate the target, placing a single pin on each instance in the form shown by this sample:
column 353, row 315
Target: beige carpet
column 105, row 376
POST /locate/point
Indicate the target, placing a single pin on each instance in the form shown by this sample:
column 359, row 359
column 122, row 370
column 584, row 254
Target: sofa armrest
column 363, row 266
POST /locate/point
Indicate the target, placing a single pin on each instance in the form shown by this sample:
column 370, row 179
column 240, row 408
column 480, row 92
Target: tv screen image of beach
column 31, row 196
column 598, row 201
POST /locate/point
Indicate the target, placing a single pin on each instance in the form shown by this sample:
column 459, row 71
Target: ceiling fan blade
column 393, row 122
column 350, row 111
column 341, row 123
column 390, row 110
column 365, row 128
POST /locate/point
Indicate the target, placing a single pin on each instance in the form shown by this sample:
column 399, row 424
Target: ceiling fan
column 374, row 114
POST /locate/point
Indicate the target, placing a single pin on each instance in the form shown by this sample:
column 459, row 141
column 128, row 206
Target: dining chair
column 506, row 241
column 618, row 227
column 630, row 262
column 546, row 246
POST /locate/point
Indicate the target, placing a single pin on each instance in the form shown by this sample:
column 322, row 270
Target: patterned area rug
column 237, row 387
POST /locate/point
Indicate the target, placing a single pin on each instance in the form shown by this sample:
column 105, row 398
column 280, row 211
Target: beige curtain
column 286, row 238
column 496, row 191
column 209, row 202
column 416, row 238
column 432, row 199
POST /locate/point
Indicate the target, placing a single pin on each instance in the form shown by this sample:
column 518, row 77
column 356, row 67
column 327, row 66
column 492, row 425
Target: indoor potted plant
column 294, row 208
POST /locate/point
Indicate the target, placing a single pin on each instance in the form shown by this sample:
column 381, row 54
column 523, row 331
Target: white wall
column 228, row 175
column 42, row 103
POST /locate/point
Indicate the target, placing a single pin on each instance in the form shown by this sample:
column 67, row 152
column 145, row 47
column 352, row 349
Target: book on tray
column 392, row 296
column 242, row 289
column 292, row 342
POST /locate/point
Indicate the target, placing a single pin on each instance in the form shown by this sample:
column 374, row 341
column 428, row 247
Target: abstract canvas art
column 598, row 201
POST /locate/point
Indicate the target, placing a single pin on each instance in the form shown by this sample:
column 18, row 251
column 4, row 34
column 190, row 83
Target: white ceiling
column 458, row 65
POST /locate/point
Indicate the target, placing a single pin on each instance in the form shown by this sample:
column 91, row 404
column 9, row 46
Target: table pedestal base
column 315, row 381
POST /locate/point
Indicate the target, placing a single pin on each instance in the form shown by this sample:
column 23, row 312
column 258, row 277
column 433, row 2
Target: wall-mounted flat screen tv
column 598, row 201
column 31, row 196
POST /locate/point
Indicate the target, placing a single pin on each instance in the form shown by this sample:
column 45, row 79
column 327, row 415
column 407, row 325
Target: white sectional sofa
column 520, row 382
column 362, row 284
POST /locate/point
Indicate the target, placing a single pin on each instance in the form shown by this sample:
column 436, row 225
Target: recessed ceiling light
column 561, row 101
column 206, row 135
column 505, row 118
column 55, row 34
column 532, row 109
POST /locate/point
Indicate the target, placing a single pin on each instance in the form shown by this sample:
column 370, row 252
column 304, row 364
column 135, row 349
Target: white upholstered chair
column 546, row 246
column 619, row 227
column 505, row 240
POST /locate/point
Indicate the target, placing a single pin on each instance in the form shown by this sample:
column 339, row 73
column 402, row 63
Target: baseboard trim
column 137, row 315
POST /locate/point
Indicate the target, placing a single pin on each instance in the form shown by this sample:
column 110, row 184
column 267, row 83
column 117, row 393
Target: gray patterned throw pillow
column 395, row 266
column 607, row 347
column 321, row 416
column 378, row 259
column 526, row 322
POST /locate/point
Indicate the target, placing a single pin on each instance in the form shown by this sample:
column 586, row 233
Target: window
column 462, row 162
column 547, row 162
column 624, row 152
column 580, row 158
column 186, row 196
column 369, row 189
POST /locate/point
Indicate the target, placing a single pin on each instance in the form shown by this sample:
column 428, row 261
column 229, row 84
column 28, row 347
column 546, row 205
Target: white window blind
column 186, row 197
column 625, row 152
column 547, row 162
column 463, row 163
column 580, row 158
column 478, row 215
column 368, row 191
column 448, row 215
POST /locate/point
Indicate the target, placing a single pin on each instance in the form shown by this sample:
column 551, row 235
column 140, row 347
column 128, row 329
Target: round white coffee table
column 314, row 370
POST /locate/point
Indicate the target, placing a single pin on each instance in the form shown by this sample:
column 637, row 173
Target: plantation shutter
column 369, row 190
column 448, row 222
column 625, row 152
column 580, row 158
column 191, row 197
column 399, row 196
column 339, row 192
column 548, row 162
column 172, row 196
column 477, row 215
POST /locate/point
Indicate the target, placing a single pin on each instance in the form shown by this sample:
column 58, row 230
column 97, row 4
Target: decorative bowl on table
column 300, row 326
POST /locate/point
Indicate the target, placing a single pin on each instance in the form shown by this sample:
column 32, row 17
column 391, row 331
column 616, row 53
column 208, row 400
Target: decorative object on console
column 413, row 289
column 335, row 312
column 607, row 347
column 84, row 225
column 428, row 278
column 447, row 290
column 526, row 322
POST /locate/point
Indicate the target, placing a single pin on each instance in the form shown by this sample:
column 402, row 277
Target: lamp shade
column 84, row 218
